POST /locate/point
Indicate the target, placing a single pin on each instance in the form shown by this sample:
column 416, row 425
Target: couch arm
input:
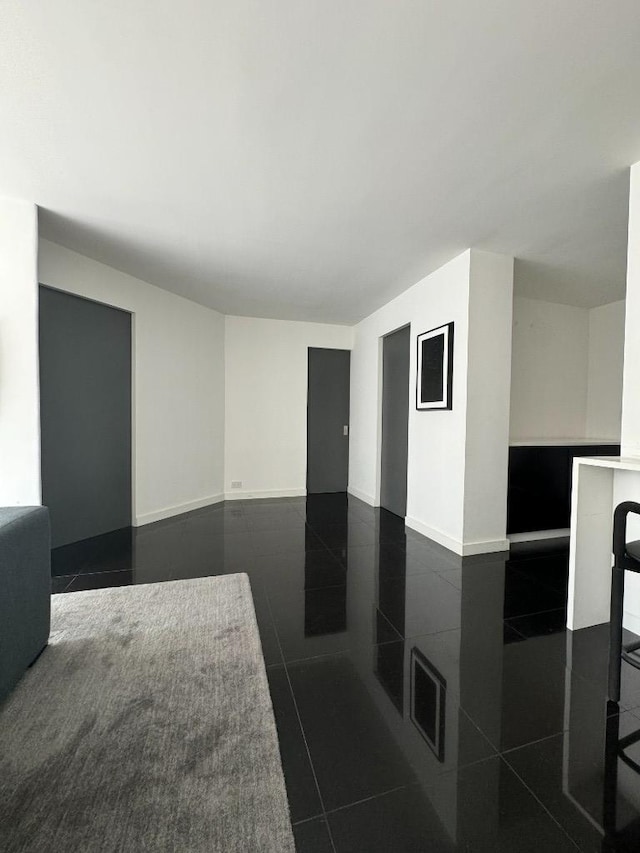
column 25, row 590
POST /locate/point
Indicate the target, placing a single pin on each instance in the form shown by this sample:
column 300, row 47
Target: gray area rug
column 146, row 725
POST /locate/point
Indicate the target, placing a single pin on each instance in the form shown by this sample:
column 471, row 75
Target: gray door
column 395, row 421
column 85, row 413
column 328, row 420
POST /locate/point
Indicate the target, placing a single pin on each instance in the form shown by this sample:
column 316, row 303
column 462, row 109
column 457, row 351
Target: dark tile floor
column 424, row 702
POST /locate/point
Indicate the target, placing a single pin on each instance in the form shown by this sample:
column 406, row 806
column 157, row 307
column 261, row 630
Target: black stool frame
column 622, row 562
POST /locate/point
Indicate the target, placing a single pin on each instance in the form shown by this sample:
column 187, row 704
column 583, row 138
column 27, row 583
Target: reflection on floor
column 424, row 702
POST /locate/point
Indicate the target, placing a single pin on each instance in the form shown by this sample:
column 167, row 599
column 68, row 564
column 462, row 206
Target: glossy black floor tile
column 551, row 571
column 59, row 583
column 419, row 604
column 368, row 722
column 537, row 548
column 336, row 508
column 271, row 649
column 483, row 808
column 309, row 570
column 569, row 774
column 520, row 695
column 352, row 750
column 385, row 559
column 340, row 536
column 523, row 596
column 588, row 656
column 312, row 836
column 218, row 523
column 302, row 792
column 423, row 701
column 537, row 624
column 429, row 553
column 454, row 577
column 296, row 540
column 109, row 552
column 315, row 622
column 100, row 580
column 257, row 522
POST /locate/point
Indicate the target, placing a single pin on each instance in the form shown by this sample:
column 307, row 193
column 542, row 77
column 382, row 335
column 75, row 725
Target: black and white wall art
column 428, row 695
column 434, row 382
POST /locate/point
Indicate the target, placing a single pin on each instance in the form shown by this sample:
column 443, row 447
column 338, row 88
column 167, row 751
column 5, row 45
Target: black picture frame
column 434, row 369
column 428, row 692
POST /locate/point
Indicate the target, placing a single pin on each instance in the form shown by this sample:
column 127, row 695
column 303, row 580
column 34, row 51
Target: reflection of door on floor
column 328, row 420
column 395, row 421
column 85, row 413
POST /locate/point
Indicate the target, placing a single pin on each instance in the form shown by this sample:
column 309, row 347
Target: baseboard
column 433, row 533
column 237, row 495
column 537, row 535
column 485, row 546
column 362, row 496
column 463, row 549
column 179, row 509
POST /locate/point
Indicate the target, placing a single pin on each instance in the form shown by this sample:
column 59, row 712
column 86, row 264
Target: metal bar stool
column 626, row 557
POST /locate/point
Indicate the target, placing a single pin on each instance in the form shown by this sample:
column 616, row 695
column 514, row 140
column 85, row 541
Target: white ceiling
column 310, row 159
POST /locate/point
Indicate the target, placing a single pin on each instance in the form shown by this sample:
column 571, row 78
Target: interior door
column 328, row 420
column 85, row 413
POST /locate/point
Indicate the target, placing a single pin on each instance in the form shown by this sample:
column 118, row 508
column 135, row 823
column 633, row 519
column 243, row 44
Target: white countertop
column 620, row 463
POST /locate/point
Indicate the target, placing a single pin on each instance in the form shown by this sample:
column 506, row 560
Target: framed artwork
column 428, row 702
column 434, row 382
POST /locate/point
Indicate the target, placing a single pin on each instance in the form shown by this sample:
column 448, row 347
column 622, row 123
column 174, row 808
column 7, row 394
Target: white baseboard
column 537, row 535
column 485, row 546
column 238, row 495
column 169, row 512
column 432, row 533
column 463, row 549
column 363, row 496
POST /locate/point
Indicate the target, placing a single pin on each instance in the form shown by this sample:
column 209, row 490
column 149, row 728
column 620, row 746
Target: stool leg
column 610, row 786
column 615, row 636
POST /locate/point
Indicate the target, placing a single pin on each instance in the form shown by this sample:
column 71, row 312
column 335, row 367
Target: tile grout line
column 531, row 742
column 533, row 613
column 372, row 797
column 319, row 816
column 540, row 803
column 302, row 731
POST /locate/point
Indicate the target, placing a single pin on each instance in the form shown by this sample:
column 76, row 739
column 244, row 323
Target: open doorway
column 395, row 421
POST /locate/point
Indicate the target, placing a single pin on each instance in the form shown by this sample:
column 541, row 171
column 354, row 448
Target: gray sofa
column 25, row 590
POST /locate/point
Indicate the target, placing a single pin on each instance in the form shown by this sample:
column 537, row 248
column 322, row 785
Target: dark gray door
column 85, row 413
column 328, row 420
column 395, row 421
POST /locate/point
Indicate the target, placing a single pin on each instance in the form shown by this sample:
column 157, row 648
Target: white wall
column 437, row 439
column 488, row 396
column 178, row 383
column 631, row 377
column 266, row 402
column 566, row 379
column 627, row 485
column 435, row 480
column 19, row 381
column 549, row 370
column 606, row 357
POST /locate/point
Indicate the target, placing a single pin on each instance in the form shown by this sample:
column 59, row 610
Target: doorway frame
column 378, row 477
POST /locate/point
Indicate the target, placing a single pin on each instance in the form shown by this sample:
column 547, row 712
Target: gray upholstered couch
column 25, row 590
